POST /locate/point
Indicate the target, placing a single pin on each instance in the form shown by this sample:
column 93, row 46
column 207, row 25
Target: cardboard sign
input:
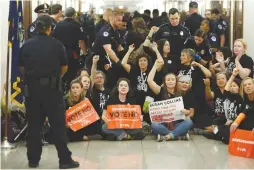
column 124, row 117
column 241, row 143
column 166, row 111
column 81, row 115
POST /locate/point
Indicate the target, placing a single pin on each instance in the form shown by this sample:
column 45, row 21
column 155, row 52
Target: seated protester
column 138, row 75
column 233, row 105
column 121, row 95
column 83, row 72
column 214, row 64
column 197, row 72
column 86, row 82
column 167, row 90
column 99, row 94
column 181, row 127
column 171, row 62
column 245, row 119
column 198, row 43
column 239, row 59
column 211, row 38
column 75, row 96
column 218, row 96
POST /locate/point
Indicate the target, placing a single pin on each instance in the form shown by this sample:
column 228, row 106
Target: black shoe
column 209, row 135
column 33, row 165
column 72, row 164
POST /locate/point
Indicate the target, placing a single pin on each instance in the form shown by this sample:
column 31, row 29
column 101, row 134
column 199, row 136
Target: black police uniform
column 218, row 29
column 42, row 58
column 31, row 30
column 225, row 24
column 69, row 32
column 107, row 35
column 193, row 22
column 176, row 35
column 203, row 50
column 99, row 25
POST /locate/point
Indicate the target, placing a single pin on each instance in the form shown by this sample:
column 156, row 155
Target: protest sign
column 167, row 111
column 81, row 115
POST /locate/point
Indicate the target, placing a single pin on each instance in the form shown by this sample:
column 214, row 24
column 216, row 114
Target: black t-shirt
column 176, row 35
column 197, row 76
column 245, row 61
column 99, row 99
column 202, row 50
column 188, row 100
column 233, row 105
column 219, row 99
column 248, row 123
column 42, row 56
column 114, row 100
column 162, row 96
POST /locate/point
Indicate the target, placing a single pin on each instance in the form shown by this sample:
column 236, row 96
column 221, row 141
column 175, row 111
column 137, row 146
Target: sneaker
column 185, row 137
column 146, row 128
column 72, row 164
column 33, row 165
column 198, row 131
column 161, row 138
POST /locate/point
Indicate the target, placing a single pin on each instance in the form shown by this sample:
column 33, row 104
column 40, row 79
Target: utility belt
column 50, row 82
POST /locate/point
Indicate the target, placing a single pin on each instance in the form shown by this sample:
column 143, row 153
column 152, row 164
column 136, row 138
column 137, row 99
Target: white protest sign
column 167, row 110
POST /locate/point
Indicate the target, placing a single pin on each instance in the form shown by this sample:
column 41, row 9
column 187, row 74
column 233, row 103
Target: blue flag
column 15, row 41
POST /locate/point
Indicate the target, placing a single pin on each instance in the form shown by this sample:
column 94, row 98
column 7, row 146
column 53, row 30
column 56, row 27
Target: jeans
column 120, row 133
column 180, row 129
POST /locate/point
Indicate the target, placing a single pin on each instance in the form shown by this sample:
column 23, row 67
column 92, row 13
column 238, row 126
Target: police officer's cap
column 43, row 8
column 193, row 5
column 43, row 22
column 70, row 12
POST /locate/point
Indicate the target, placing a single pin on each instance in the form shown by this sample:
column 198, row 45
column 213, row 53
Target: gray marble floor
column 197, row 153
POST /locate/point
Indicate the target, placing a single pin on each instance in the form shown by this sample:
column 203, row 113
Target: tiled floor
column 147, row 154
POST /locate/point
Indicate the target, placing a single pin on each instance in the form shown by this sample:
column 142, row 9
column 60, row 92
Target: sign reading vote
column 124, row 117
column 81, row 115
column 167, row 111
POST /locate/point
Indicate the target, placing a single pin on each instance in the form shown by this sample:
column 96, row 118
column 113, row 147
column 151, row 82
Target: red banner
column 241, row 143
column 81, row 115
column 124, row 117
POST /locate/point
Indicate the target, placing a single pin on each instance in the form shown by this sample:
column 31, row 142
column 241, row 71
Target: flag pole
column 5, row 144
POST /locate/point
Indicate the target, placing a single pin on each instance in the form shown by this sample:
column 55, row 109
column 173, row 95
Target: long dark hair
column 115, row 92
column 161, row 44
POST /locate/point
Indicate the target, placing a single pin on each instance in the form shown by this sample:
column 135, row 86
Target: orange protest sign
column 241, row 143
column 81, row 115
column 124, row 117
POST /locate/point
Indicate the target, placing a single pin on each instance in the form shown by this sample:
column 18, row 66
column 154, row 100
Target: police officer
column 43, row 61
column 194, row 20
column 218, row 28
column 175, row 33
column 107, row 45
column 42, row 9
column 199, row 44
column 56, row 13
column 71, row 34
column 104, row 21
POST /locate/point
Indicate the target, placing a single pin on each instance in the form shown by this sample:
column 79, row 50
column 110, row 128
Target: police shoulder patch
column 105, row 34
column 213, row 38
column 32, row 28
column 81, row 29
column 224, row 23
column 220, row 26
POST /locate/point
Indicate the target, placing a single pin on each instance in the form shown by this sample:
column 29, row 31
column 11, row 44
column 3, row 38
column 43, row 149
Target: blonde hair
column 243, row 42
column 242, row 93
